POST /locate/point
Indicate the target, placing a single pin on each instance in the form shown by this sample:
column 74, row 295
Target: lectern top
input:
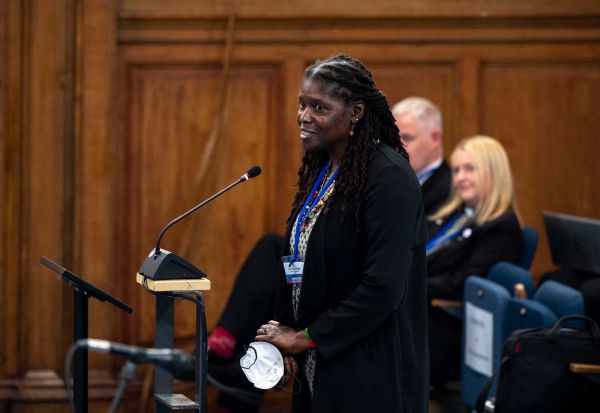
column 197, row 284
column 80, row 284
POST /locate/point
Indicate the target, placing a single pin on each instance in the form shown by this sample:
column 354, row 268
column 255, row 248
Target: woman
column 353, row 314
column 477, row 227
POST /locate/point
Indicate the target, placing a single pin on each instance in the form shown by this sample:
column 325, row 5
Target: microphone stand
column 165, row 265
column 127, row 374
column 244, row 178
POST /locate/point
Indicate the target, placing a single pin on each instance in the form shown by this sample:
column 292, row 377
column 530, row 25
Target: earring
column 351, row 133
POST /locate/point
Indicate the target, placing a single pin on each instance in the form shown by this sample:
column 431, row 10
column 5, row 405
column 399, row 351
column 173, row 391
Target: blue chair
column 560, row 298
column 485, row 304
column 530, row 243
column 503, row 273
column 508, row 275
column 506, row 314
column 527, row 313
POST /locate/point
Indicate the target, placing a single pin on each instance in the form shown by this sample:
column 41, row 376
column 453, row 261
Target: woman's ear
column 358, row 110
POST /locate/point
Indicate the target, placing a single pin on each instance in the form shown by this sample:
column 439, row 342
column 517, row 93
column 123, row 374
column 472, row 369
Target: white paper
column 479, row 339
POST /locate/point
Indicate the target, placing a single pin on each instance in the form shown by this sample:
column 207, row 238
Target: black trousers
column 250, row 305
column 444, row 331
column 251, row 301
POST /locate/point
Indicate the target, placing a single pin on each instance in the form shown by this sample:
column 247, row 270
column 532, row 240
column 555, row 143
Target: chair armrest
column 440, row 302
column 520, row 291
column 582, row 368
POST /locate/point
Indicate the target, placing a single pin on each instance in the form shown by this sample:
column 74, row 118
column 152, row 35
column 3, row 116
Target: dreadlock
column 349, row 80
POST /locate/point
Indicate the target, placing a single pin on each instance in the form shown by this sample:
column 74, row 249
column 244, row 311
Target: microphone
column 164, row 265
column 252, row 173
column 178, row 362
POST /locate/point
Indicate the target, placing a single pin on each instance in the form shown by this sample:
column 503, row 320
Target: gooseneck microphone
column 178, row 362
column 252, row 173
column 162, row 264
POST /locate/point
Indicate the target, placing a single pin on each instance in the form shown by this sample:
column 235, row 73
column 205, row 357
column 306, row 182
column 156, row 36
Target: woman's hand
column 291, row 369
column 283, row 337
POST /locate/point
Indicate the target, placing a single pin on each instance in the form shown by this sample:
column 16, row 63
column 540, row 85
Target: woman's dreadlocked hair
column 349, row 80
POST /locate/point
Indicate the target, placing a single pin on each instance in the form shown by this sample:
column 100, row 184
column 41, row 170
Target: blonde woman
column 477, row 227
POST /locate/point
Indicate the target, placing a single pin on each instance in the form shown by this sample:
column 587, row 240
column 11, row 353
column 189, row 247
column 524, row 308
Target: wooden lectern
column 166, row 291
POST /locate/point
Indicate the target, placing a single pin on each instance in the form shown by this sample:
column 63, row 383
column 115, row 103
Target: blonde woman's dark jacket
column 473, row 252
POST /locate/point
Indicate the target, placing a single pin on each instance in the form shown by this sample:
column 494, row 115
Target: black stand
column 165, row 400
column 82, row 290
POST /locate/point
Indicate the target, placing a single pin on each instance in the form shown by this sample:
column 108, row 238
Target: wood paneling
column 427, row 78
column 4, row 93
column 348, row 8
column 106, row 109
column 11, row 75
column 94, row 161
column 43, row 156
column 169, row 115
column 546, row 116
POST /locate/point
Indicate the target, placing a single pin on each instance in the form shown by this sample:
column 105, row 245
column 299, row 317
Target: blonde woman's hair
column 491, row 164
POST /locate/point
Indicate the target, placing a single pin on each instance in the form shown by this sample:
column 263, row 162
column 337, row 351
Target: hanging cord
column 69, row 376
column 210, row 151
column 127, row 374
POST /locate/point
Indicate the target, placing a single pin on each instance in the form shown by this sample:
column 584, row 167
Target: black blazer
column 474, row 252
column 363, row 298
column 436, row 189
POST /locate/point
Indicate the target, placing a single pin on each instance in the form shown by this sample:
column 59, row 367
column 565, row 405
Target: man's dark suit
column 486, row 244
column 436, row 188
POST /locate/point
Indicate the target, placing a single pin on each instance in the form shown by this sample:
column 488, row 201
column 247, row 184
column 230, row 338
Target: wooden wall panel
column 170, row 115
column 437, row 81
column 93, row 164
column 546, row 116
column 4, row 93
column 10, row 218
column 352, row 9
column 43, row 187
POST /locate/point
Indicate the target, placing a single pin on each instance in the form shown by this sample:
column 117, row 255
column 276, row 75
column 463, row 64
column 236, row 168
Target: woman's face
column 466, row 179
column 324, row 120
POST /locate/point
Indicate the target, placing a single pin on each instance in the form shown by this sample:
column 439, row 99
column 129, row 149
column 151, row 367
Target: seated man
column 421, row 132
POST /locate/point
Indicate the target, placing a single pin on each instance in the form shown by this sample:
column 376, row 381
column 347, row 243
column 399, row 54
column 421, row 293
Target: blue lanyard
column 308, row 206
column 441, row 236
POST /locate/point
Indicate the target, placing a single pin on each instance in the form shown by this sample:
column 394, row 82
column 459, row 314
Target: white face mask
column 262, row 364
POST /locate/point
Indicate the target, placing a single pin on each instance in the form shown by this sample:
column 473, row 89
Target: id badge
column 293, row 270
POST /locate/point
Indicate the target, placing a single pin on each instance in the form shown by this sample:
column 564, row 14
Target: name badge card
column 293, row 269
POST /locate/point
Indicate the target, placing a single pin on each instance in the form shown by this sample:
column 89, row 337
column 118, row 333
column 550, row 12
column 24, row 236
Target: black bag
column 535, row 373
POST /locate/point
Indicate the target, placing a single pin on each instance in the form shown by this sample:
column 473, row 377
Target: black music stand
column 82, row 290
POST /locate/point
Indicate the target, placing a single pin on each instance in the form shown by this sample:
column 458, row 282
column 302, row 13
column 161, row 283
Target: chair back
column 530, row 243
column 508, row 275
column 490, row 303
column 483, row 334
column 527, row 314
column 561, row 299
